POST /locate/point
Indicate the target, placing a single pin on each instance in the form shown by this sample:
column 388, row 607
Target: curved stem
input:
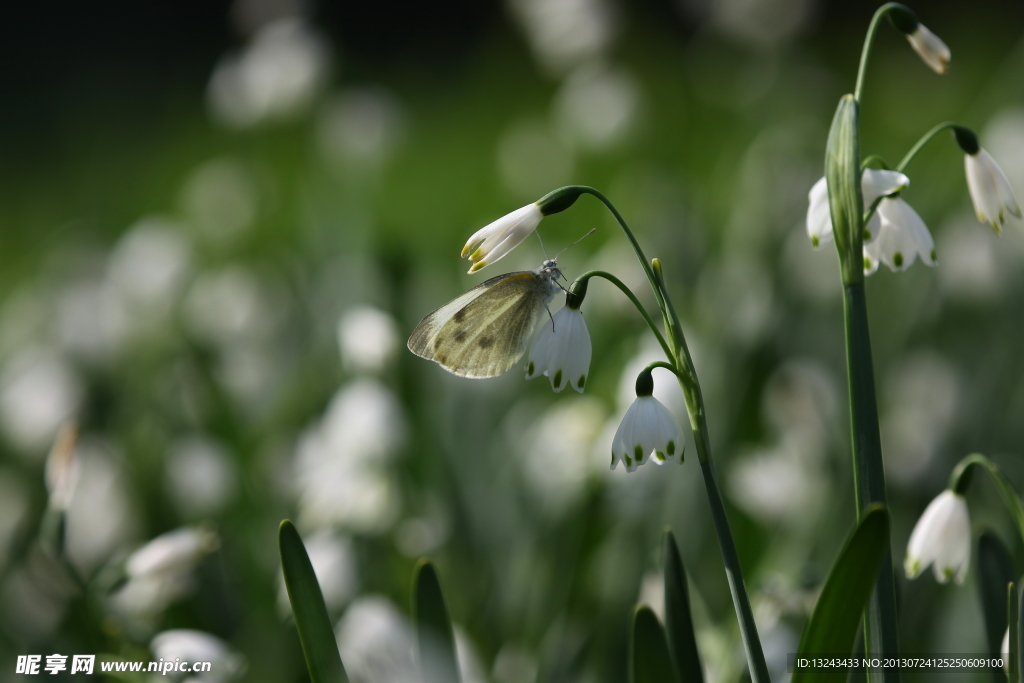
column 668, row 366
column 961, row 477
column 869, row 41
column 681, row 364
column 687, row 376
column 586, row 189
column 582, row 279
column 925, row 139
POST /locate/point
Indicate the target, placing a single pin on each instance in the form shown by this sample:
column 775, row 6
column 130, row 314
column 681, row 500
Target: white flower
column 942, row 538
column 990, row 190
column 648, row 427
column 491, row 242
column 931, row 48
column 873, row 184
column 902, row 236
column 172, row 552
column 192, row 647
column 562, row 350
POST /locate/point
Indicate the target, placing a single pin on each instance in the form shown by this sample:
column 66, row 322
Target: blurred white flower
column 647, row 427
column 776, row 485
column 100, row 516
column 38, row 392
column 91, row 320
column 172, row 552
column 873, row 184
column 197, row 646
column 148, row 265
column 220, row 199
column 990, row 190
column 276, row 77
column 942, row 538
column 1004, row 650
column 367, row 338
column 562, row 350
column 376, row 642
column 201, row 476
column 230, row 305
column 931, row 48
column 921, row 402
column 160, row 572
column 557, row 451
column 564, row 33
column 597, row 106
column 341, row 472
column 361, row 126
column 493, row 241
column 902, row 237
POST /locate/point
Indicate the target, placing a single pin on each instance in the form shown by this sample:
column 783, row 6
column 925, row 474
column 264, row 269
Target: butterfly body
column 483, row 333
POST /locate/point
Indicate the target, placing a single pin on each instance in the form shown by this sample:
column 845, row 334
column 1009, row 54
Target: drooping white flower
column 647, row 427
column 941, row 538
column 990, row 190
column 562, row 350
column 873, row 184
column 491, row 242
column 902, row 237
column 931, row 48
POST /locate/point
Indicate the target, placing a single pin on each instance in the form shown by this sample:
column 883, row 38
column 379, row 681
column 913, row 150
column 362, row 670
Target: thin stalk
column 582, row 280
column 687, row 376
column 880, row 625
column 869, row 42
column 962, row 475
column 682, row 365
column 585, row 189
column 925, row 139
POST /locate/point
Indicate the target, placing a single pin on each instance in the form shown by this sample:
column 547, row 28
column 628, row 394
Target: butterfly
column 483, row 333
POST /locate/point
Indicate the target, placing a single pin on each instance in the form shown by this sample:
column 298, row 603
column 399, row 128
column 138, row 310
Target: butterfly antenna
column 537, row 233
column 589, row 233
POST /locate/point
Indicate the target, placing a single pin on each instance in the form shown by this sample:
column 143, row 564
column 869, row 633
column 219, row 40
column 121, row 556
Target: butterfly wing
column 482, row 333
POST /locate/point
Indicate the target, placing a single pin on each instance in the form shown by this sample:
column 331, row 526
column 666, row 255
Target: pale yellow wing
column 482, row 333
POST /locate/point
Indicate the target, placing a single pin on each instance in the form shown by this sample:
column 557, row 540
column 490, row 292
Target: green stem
column 962, row 475
column 585, row 189
column 880, row 625
column 869, row 41
column 925, row 139
column 687, row 376
column 582, row 280
column 682, row 365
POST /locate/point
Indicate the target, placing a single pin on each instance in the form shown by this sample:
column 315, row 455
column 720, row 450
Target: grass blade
column 682, row 643
column 315, row 631
column 995, row 571
column 650, row 661
column 438, row 663
column 832, row 628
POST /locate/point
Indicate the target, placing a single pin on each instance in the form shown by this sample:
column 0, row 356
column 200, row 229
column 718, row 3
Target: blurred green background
column 219, row 222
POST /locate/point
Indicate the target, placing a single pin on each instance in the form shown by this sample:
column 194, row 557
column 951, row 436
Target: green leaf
column 1013, row 618
column 832, row 628
column 682, row 643
column 315, row 632
column 650, row 661
column 438, row 663
column 995, row 571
